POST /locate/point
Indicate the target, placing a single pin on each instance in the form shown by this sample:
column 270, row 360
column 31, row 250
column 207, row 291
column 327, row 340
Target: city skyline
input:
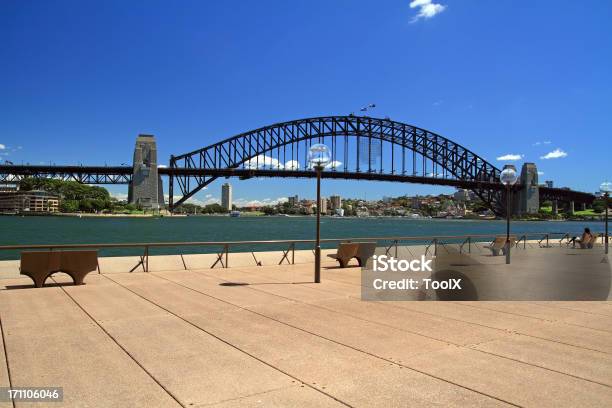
column 512, row 97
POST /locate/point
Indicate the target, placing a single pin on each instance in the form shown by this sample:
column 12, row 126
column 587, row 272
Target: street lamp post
column 318, row 157
column 606, row 188
column 508, row 178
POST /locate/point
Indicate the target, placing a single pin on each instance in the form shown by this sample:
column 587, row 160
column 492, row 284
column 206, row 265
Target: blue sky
column 80, row 79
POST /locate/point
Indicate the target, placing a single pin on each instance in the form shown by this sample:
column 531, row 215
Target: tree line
column 74, row 196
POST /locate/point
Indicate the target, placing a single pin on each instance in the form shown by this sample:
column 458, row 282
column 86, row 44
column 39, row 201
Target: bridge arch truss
column 361, row 148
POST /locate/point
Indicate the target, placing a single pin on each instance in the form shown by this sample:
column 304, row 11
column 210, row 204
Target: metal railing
column 432, row 243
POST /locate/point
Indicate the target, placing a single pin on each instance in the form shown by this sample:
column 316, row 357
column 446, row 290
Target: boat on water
column 235, row 214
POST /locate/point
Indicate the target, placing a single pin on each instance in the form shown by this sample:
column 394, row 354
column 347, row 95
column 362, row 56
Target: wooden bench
column 39, row 265
column 361, row 251
column 499, row 244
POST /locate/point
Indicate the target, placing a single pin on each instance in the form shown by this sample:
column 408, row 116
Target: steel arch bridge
column 362, row 148
column 358, row 146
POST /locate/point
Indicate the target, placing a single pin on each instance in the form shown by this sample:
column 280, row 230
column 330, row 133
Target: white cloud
column 334, row 165
column 510, row 157
column 427, row 9
column 244, row 202
column 292, row 165
column 540, row 173
column 555, row 154
column 264, row 162
column 2, row 147
column 161, row 166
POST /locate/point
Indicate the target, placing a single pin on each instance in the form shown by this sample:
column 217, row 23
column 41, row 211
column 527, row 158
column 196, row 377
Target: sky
column 514, row 81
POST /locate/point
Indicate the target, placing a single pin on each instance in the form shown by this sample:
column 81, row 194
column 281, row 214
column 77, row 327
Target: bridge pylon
column 146, row 188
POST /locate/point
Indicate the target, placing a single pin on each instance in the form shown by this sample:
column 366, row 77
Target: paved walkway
column 265, row 336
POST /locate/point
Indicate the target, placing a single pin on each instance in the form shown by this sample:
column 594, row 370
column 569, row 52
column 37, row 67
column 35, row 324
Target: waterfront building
column 226, row 196
column 462, row 195
column 293, row 201
column 335, row 202
column 308, row 206
column 362, row 212
column 549, row 183
column 323, row 205
column 17, row 201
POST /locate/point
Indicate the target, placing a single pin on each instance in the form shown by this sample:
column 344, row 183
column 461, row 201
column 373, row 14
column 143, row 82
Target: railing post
column 395, row 242
column 147, row 258
column 469, row 245
column 435, row 246
column 547, row 243
column 293, row 253
column 227, row 255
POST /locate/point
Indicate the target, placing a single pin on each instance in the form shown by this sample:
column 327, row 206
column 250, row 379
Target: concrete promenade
column 267, row 337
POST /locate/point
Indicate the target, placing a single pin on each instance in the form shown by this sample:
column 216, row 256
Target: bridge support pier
column 555, row 207
column 146, row 188
column 528, row 200
column 570, row 209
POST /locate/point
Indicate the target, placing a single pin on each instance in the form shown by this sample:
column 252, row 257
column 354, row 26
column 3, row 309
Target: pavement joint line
column 229, row 343
column 333, row 311
column 505, row 312
column 554, row 306
column 119, row 345
column 345, row 345
column 532, row 317
column 209, row 404
column 546, row 368
column 6, row 359
column 482, row 325
column 469, row 346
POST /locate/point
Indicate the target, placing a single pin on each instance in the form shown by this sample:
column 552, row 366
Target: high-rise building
column 323, row 205
column 293, row 201
column 226, row 196
column 335, row 202
column 549, row 183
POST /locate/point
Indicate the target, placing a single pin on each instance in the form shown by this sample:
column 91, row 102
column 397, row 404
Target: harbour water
column 93, row 230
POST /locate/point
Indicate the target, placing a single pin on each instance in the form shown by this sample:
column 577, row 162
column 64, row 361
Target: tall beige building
column 335, row 202
column 323, row 205
column 226, row 196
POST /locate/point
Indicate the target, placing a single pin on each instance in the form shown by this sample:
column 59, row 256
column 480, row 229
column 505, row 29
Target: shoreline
column 93, row 215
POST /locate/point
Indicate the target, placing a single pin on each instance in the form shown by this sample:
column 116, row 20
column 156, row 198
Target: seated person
column 585, row 238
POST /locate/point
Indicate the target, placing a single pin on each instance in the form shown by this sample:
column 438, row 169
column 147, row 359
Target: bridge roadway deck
column 171, row 338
